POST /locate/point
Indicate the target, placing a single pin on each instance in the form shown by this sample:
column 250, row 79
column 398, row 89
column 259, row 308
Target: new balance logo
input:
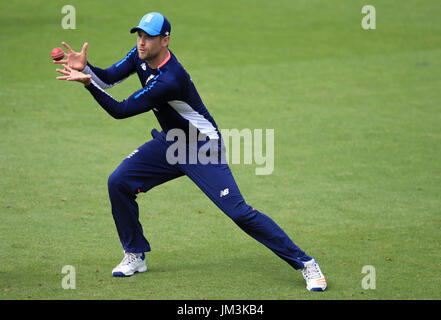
column 224, row 192
column 149, row 78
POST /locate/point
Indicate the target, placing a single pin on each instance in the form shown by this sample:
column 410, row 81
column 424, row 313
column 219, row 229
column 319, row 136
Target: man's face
column 148, row 46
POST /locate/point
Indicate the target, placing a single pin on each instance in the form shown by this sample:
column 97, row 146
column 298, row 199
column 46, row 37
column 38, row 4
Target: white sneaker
column 131, row 264
column 315, row 280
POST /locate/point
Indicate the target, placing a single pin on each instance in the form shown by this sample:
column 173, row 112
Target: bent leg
column 142, row 170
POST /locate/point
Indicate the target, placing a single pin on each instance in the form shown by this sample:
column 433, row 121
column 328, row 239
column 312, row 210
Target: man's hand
column 73, row 75
column 75, row 60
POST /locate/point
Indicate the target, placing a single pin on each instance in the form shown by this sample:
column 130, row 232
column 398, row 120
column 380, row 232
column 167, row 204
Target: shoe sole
column 120, row 274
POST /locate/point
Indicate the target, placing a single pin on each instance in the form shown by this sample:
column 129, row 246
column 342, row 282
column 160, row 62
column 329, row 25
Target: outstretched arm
column 141, row 101
column 105, row 78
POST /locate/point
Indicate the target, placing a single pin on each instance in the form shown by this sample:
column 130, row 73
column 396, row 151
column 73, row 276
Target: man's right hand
column 75, row 60
column 70, row 74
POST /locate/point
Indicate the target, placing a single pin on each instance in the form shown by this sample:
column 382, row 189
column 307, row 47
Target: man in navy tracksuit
column 167, row 90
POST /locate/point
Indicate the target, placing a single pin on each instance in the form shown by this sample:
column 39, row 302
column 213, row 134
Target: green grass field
column 357, row 174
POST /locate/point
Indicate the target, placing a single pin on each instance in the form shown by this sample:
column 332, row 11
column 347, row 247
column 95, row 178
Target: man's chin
column 142, row 55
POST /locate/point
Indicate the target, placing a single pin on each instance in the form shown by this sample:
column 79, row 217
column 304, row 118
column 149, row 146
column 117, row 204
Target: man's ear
column 165, row 41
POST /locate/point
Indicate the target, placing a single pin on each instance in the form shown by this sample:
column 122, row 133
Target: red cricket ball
column 57, row 54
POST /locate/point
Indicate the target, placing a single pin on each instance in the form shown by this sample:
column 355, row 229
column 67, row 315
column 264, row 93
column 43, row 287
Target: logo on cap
column 149, row 18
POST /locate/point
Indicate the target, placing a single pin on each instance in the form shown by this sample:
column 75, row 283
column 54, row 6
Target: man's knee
column 241, row 213
column 117, row 181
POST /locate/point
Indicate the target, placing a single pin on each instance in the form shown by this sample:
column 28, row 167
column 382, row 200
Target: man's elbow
column 117, row 115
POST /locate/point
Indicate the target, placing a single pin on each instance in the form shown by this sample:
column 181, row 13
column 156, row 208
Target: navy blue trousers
column 148, row 167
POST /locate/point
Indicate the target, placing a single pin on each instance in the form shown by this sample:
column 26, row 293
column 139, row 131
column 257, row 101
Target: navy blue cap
column 154, row 24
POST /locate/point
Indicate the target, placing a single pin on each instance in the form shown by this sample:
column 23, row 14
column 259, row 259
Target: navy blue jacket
column 167, row 90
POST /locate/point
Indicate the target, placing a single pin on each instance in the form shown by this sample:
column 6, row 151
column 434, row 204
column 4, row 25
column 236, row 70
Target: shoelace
column 312, row 272
column 129, row 257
